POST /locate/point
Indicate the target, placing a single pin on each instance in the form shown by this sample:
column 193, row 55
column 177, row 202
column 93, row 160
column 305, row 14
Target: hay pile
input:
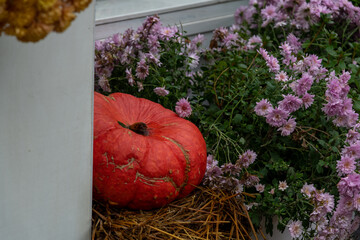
column 205, row 214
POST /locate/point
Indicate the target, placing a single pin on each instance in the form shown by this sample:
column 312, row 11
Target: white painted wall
column 46, row 92
column 195, row 16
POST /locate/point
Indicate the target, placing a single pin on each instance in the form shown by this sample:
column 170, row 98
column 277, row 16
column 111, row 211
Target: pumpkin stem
column 140, row 128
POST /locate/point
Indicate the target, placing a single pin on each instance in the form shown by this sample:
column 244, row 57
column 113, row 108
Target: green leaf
column 237, row 119
column 242, row 66
column 342, row 65
column 330, row 50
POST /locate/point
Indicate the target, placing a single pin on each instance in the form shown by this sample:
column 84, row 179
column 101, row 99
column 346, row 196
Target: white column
column 46, row 93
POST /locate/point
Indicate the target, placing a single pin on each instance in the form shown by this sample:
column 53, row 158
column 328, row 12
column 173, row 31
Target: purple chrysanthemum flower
column 193, row 60
column 268, row 14
column 183, row 108
column 250, row 181
column 346, row 165
column 161, row 91
column 352, row 151
column 350, row 185
column 308, row 189
column 356, row 202
column 264, row 54
column 211, row 161
column 352, row 136
column 263, row 107
column 277, row 117
column 253, row 41
column 142, row 70
column 312, row 62
column 285, row 49
column 327, row 201
column 333, row 107
column 231, row 169
column 304, row 84
column 247, row 158
column 334, row 89
column 129, row 77
column 307, row 100
column 273, row 64
column 283, row 185
column 281, row 77
column 230, row 39
column 168, row 32
column 345, row 77
column 290, row 103
column 294, row 42
column 104, row 83
column 260, row 187
column 288, row 127
column 295, row 229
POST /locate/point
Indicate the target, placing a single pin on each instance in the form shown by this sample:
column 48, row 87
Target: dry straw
column 205, row 214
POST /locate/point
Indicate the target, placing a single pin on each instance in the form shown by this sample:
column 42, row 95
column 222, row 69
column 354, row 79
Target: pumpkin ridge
column 142, row 178
column 118, row 166
column 187, row 159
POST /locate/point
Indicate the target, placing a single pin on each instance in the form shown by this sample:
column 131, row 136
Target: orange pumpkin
column 145, row 156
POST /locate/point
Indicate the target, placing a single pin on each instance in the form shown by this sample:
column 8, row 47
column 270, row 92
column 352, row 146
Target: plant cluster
column 150, row 62
column 277, row 100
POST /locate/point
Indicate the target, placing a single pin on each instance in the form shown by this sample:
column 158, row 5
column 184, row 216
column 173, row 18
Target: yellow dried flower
column 66, row 18
column 16, row 5
column 15, row 31
column 52, row 16
column 36, row 32
column 32, row 20
column 21, row 18
column 3, row 12
column 45, row 5
column 80, row 4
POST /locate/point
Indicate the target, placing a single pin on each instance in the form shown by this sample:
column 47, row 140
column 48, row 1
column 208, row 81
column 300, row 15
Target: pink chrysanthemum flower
column 356, row 202
column 283, row 185
column 264, row 54
column 168, row 32
column 260, row 187
column 104, row 83
column 294, row 42
column 142, row 70
column 327, row 201
column 304, row 84
column 263, row 107
column 288, row 127
column 312, row 61
column 349, row 185
column 193, row 60
column 352, row 151
column 273, row 64
column 161, row 91
column 247, row 158
column 307, row 100
column 352, row 136
column 183, row 108
column 290, row 103
column 281, row 77
column 333, row 107
column 253, row 41
column 308, row 189
column 277, row 117
column 346, row 165
column 285, row 49
column 268, row 14
column 129, row 77
column 295, row 229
